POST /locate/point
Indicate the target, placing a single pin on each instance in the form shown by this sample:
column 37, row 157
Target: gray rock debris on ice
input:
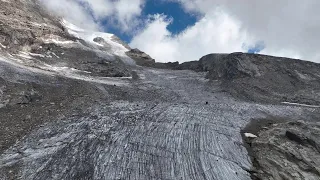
column 74, row 105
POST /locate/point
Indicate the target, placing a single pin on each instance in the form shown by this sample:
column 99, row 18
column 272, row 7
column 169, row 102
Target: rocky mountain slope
column 287, row 150
column 47, row 65
column 43, row 41
column 260, row 78
column 77, row 104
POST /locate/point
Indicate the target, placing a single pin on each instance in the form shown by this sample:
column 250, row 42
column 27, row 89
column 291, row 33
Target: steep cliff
column 44, row 41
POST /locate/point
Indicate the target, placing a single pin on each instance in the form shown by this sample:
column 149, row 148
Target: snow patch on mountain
column 25, row 63
column 56, row 41
column 111, row 46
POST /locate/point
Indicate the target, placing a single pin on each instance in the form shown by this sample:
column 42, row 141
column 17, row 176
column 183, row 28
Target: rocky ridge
column 260, row 78
column 279, row 148
column 141, row 58
column 47, row 65
column 285, row 150
column 47, row 42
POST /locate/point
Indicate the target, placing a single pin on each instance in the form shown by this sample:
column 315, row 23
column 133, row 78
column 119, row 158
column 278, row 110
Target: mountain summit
column 78, row 104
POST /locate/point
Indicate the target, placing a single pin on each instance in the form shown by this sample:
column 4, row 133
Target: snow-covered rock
column 250, row 135
column 108, row 44
column 48, row 41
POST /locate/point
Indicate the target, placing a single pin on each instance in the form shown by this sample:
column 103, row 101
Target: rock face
column 29, row 32
column 141, row 58
column 261, row 78
column 206, row 63
column 233, row 66
column 24, row 23
column 44, row 61
column 270, row 79
column 287, row 151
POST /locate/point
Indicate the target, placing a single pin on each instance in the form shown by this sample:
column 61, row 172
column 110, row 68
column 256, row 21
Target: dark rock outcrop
column 269, row 79
column 206, row 63
column 191, row 65
column 286, row 151
column 105, row 69
column 30, row 32
column 232, row 67
column 260, row 78
column 169, row 65
column 141, row 58
column 24, row 23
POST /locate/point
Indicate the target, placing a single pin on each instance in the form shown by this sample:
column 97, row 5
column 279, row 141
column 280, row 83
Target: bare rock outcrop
column 287, row 151
column 141, row 58
column 269, row 79
column 30, row 32
column 261, row 78
column 26, row 23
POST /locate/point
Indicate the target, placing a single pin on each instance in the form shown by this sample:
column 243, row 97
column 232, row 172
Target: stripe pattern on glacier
column 182, row 139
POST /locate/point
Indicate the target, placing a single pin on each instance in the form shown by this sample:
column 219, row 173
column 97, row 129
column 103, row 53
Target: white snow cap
column 115, row 48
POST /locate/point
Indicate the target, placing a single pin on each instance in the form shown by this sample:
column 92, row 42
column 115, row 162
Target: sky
column 185, row 30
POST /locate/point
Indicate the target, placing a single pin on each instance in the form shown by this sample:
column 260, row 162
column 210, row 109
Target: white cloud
column 128, row 12
column 99, row 8
column 216, row 32
column 287, row 27
column 72, row 11
column 88, row 14
column 155, row 39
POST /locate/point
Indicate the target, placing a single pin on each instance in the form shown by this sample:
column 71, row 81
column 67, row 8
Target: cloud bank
column 216, row 32
column 90, row 14
column 288, row 28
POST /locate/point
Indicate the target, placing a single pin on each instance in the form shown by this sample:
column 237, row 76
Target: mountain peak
column 34, row 38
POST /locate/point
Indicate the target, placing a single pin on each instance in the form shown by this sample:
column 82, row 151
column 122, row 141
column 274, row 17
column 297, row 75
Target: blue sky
column 180, row 20
column 258, row 47
column 174, row 10
column 219, row 26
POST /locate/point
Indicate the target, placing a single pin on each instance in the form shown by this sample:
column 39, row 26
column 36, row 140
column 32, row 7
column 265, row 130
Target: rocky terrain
column 77, row 104
column 286, row 151
column 141, row 58
column 32, row 35
column 260, row 78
